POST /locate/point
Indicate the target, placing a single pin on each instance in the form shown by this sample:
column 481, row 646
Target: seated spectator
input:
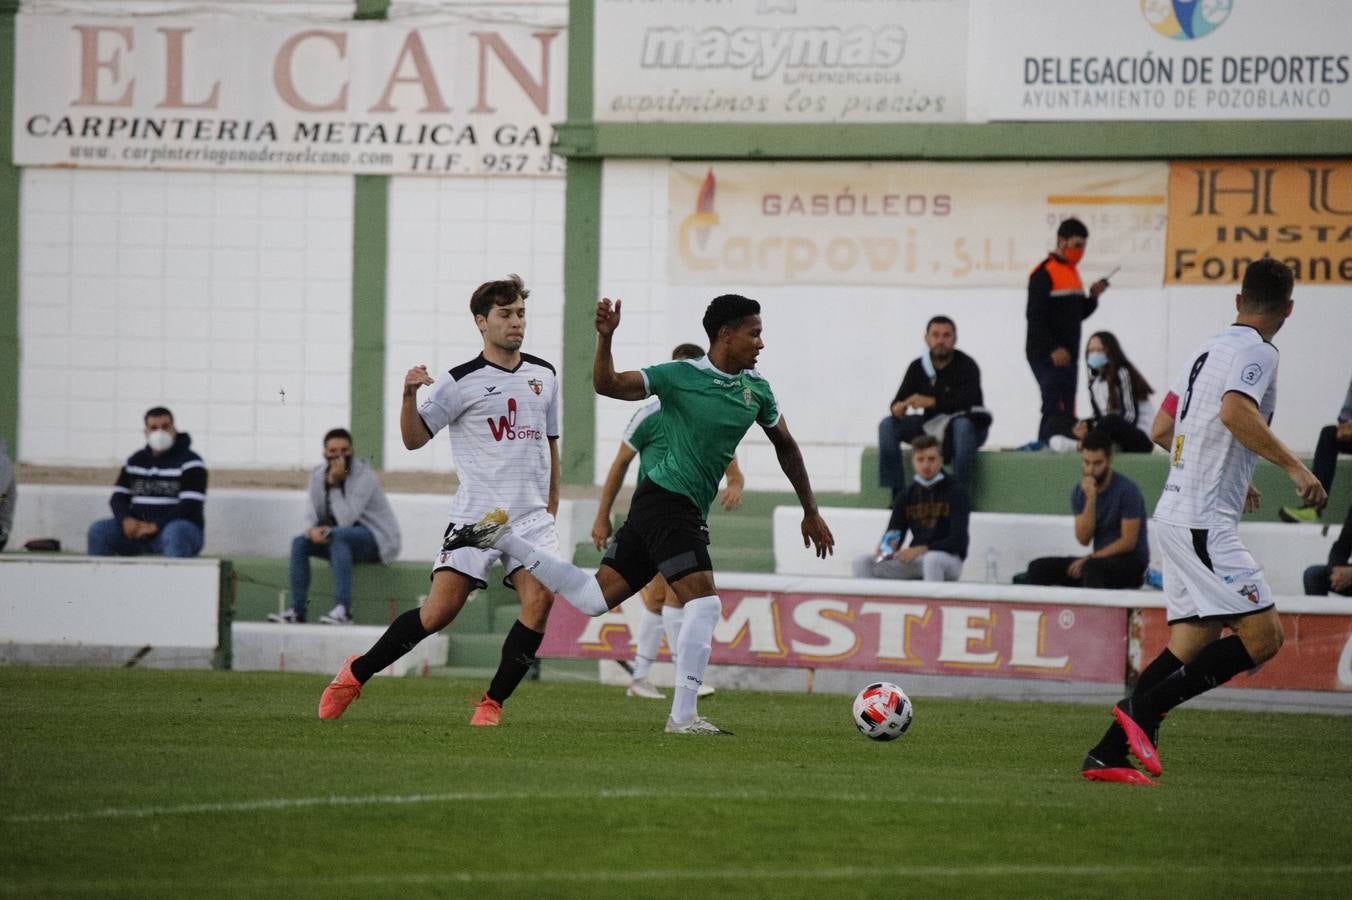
column 8, row 494
column 944, row 386
column 1110, row 512
column 158, row 499
column 351, row 522
column 1118, row 396
column 1336, row 576
column 1333, row 439
column 935, row 510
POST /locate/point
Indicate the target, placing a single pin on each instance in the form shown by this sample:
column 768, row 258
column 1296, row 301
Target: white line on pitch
column 1033, row 870
column 289, row 803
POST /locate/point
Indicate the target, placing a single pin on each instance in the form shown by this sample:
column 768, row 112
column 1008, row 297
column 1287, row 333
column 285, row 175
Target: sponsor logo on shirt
column 504, row 427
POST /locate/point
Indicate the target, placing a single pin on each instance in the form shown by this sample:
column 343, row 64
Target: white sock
column 692, row 656
column 577, row 587
column 672, row 617
column 648, row 643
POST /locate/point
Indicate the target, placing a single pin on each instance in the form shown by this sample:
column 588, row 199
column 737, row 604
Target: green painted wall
column 581, row 263
column 370, row 259
column 580, row 138
column 9, row 244
column 370, row 245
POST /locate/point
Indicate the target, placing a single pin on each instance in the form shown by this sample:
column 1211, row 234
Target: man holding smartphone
column 352, row 522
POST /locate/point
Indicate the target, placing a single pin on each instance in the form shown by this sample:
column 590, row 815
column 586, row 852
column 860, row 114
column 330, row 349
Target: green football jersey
column 705, row 415
column 645, row 436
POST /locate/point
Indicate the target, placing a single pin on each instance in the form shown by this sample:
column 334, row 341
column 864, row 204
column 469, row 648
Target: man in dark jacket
column 944, row 385
column 935, row 510
column 1057, row 304
column 1336, row 575
column 157, row 501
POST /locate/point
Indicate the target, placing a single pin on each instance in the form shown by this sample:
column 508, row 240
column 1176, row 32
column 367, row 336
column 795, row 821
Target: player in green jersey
column 708, row 405
column 645, row 437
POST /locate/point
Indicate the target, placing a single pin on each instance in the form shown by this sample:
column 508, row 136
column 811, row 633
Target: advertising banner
column 1163, row 59
column 922, row 635
column 1222, row 215
column 909, row 224
column 1315, row 656
column 439, row 97
column 780, row 61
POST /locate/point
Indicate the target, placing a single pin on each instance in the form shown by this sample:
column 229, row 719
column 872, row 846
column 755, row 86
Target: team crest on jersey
column 536, row 385
column 1249, row 592
column 746, row 396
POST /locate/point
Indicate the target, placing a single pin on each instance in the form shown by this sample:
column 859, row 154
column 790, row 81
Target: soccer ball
column 882, row 711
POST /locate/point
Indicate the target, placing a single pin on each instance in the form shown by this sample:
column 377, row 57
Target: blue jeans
column 177, row 538
column 1057, row 385
column 964, row 438
column 348, row 545
column 1317, row 581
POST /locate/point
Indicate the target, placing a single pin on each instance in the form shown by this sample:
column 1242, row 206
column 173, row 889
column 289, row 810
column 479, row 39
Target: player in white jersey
column 501, row 410
column 1214, row 423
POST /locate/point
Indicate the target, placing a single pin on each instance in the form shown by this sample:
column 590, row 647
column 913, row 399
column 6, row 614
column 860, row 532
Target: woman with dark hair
column 1118, row 395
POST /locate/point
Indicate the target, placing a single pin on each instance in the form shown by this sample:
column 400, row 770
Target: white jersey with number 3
column 1209, row 469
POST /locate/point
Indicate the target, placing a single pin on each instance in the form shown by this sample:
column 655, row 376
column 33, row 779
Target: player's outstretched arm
column 815, row 530
column 601, row 528
column 411, row 426
column 606, row 381
column 1241, row 415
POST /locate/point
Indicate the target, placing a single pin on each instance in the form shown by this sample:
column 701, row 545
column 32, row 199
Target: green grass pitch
column 213, row 784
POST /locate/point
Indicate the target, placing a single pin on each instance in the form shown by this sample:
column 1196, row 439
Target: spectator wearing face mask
column 1057, row 303
column 351, row 522
column 1119, row 396
column 158, row 499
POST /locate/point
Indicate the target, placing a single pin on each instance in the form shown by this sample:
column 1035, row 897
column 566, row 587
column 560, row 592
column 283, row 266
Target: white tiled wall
column 835, row 356
column 209, row 294
column 448, row 236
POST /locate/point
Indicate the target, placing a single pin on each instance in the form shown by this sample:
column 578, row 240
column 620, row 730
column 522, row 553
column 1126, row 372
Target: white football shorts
column 537, row 529
column 1208, row 574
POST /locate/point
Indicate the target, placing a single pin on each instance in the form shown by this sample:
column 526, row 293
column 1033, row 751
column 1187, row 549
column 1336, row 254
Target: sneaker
column 342, row 690
column 697, row 725
column 1307, row 514
column 705, row 690
column 1138, row 739
column 1059, row 443
column 290, row 617
column 1119, row 771
column 1031, row 446
column 642, row 687
column 487, row 713
column 337, row 616
column 480, row 534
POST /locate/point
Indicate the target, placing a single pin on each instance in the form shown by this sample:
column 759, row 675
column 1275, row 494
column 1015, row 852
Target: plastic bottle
column 992, row 566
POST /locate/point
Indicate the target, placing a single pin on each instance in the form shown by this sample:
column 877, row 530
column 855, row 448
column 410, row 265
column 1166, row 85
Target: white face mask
column 159, row 440
column 929, row 482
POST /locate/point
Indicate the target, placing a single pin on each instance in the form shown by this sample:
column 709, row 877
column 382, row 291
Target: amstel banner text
column 922, row 635
column 909, row 224
column 439, row 97
column 1223, row 215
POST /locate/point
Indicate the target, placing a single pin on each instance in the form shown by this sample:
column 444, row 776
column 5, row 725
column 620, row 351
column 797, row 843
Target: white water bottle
column 992, row 566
